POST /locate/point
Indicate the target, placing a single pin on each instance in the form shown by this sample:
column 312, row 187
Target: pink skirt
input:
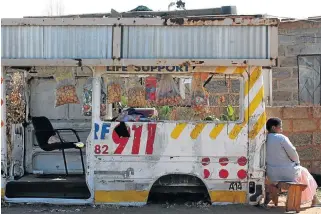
column 304, row 177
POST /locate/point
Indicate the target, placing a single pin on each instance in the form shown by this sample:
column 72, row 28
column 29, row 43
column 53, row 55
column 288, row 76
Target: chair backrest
column 43, row 130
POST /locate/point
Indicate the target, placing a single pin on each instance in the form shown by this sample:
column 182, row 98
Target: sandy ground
column 187, row 208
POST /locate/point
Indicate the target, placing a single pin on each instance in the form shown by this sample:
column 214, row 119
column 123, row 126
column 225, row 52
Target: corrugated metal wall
column 148, row 42
column 56, row 42
column 22, row 42
column 207, row 42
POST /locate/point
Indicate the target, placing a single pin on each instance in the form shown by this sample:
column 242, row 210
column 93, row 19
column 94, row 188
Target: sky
column 280, row 8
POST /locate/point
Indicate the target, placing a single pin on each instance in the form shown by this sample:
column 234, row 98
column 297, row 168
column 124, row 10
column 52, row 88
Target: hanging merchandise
column 199, row 94
column 113, row 91
column 150, row 88
column 200, row 100
column 87, row 99
column 167, row 92
column 65, row 88
column 136, row 94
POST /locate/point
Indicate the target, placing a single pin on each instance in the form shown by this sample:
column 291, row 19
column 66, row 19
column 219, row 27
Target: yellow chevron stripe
column 239, row 70
column 247, row 113
column 197, row 130
column 255, row 75
column 216, row 130
column 221, row 69
column 258, row 126
column 177, row 131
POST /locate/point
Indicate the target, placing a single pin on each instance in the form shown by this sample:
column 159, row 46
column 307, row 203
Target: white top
column 282, row 159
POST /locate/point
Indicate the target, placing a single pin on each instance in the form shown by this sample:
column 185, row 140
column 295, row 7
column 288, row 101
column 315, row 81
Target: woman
column 283, row 162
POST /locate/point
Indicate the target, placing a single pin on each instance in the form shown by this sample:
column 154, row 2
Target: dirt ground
column 187, row 208
column 155, row 209
column 166, row 208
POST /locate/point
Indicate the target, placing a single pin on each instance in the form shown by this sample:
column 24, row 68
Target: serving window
column 171, row 97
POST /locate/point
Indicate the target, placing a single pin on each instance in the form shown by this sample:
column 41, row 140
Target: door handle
column 18, row 131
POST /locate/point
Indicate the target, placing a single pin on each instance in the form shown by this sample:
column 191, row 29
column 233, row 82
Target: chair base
column 82, row 161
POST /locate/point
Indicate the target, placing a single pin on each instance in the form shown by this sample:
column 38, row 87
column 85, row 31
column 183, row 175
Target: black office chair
column 44, row 130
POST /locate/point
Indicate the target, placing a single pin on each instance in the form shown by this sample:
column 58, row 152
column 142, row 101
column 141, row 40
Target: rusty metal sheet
column 233, row 20
column 203, row 20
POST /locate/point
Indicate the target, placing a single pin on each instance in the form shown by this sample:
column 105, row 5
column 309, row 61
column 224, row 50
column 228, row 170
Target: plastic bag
column 65, row 88
column 168, row 93
column 114, row 91
column 199, row 94
column 130, row 115
column 150, row 87
column 87, row 99
column 136, row 94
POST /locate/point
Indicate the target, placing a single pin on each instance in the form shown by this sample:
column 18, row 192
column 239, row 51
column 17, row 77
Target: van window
column 222, row 94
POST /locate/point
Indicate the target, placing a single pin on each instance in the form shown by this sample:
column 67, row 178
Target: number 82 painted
column 102, row 149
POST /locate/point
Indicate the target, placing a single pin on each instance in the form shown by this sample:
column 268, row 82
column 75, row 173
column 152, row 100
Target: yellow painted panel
column 248, row 113
column 255, row 75
column 228, row 196
column 221, row 69
column 216, row 131
column 258, row 126
column 236, row 130
column 197, row 130
column 256, row 101
column 120, row 196
column 177, row 131
column 239, row 70
column 2, row 193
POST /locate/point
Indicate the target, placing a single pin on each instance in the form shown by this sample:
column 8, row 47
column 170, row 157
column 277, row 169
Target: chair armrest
column 72, row 130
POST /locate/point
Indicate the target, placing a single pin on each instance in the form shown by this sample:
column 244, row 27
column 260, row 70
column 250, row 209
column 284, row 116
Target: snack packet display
column 87, row 99
column 199, row 94
column 167, row 92
column 65, row 88
column 150, row 87
column 113, row 91
column 136, row 94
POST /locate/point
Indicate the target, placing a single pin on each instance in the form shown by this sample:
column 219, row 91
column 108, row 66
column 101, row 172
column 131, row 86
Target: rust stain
column 197, row 62
column 218, row 20
column 186, row 63
column 178, row 21
column 131, row 67
column 161, row 62
column 192, row 63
